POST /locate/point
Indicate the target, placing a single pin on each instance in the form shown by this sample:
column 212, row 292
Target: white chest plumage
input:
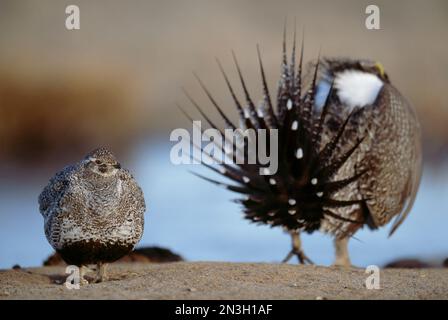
column 354, row 88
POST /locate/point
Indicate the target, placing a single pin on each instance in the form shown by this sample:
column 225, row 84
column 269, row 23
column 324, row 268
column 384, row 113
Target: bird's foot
column 100, row 278
column 303, row 259
column 342, row 263
column 297, row 250
column 342, row 258
column 101, row 275
column 82, row 272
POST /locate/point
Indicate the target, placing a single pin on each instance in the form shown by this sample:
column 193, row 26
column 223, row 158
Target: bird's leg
column 341, row 252
column 82, row 272
column 297, row 250
column 101, row 272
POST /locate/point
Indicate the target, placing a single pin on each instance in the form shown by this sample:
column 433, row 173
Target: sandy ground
column 213, row 280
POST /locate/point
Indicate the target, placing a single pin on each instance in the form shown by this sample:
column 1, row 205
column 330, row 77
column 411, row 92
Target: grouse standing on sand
column 349, row 151
column 93, row 212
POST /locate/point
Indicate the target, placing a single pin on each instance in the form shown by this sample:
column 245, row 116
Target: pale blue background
column 198, row 220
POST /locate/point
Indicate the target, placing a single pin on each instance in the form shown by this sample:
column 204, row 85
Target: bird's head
column 336, row 66
column 356, row 82
column 102, row 162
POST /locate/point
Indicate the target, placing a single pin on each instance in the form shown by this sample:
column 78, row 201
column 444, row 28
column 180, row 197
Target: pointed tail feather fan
column 299, row 195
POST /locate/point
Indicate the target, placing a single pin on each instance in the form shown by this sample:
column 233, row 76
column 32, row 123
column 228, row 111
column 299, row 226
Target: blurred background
column 115, row 82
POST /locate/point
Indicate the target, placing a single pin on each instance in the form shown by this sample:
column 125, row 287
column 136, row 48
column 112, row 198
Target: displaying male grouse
column 349, row 150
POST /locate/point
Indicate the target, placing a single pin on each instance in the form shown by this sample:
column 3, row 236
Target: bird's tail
column 299, row 193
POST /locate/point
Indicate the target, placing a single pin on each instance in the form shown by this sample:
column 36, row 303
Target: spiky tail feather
column 299, row 194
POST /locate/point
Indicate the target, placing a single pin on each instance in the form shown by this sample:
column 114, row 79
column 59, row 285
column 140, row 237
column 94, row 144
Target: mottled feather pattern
column 392, row 158
column 388, row 153
column 78, row 205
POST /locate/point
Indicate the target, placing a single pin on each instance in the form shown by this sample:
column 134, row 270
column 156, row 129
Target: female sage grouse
column 93, row 212
column 349, row 151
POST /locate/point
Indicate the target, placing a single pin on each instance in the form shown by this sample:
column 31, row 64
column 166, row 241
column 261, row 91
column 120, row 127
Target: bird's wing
column 55, row 190
column 414, row 175
column 393, row 159
column 132, row 190
column 411, row 193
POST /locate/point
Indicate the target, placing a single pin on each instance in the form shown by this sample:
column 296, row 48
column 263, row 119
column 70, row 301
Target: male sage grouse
column 349, row 150
column 93, row 212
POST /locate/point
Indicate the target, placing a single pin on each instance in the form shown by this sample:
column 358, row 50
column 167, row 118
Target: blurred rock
column 54, row 260
column 151, row 255
column 408, row 264
column 145, row 255
column 445, row 263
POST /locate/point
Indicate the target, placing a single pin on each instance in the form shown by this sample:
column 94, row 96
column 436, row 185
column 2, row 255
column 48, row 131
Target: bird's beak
column 380, row 68
column 117, row 166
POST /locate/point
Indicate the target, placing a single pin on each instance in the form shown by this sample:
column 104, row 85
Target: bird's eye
column 98, row 161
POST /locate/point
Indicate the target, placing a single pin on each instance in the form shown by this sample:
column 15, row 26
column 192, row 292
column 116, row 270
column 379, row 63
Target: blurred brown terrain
column 44, row 119
column 117, row 78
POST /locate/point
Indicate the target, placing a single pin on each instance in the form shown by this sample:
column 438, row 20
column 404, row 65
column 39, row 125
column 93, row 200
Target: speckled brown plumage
column 93, row 210
column 389, row 154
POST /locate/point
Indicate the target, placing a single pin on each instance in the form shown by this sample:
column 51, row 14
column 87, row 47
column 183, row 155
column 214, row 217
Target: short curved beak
column 117, row 166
